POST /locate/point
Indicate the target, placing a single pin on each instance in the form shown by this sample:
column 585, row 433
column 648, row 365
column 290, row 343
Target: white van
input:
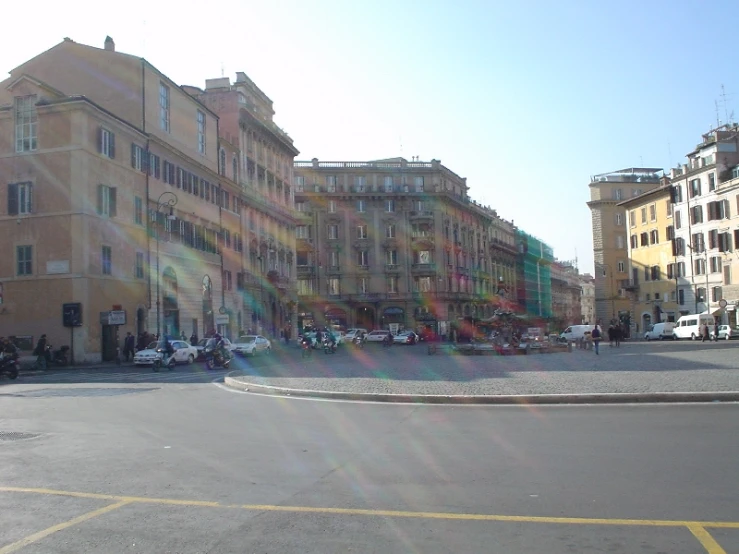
column 576, row 332
column 660, row 331
column 689, row 326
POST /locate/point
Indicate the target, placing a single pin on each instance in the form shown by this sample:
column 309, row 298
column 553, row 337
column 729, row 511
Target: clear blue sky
column 526, row 99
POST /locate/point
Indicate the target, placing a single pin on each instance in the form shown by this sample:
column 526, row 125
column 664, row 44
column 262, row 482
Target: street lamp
column 166, row 200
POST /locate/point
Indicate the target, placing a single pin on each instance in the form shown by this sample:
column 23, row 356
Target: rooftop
column 630, row 175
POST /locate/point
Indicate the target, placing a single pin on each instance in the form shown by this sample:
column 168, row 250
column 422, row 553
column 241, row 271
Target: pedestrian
column 183, row 336
column 596, row 335
column 128, row 345
column 42, row 353
column 704, row 333
column 611, row 333
column 194, row 338
column 715, row 331
column 618, row 334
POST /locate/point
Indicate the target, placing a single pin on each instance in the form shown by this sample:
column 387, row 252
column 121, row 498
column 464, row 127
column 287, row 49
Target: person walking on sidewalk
column 128, row 346
column 704, row 333
column 597, row 336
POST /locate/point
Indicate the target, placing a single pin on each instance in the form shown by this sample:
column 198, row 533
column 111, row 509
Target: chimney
column 109, row 44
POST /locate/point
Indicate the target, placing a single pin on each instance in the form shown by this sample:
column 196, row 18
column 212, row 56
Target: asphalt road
column 129, row 461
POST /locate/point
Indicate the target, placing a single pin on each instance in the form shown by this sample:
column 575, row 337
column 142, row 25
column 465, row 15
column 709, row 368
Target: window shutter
column 100, row 140
column 100, row 199
column 12, row 199
column 144, row 160
column 727, row 209
column 113, row 201
column 133, row 155
column 112, row 145
column 29, row 189
column 157, row 171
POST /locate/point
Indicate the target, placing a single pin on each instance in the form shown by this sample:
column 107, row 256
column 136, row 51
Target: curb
column 503, row 399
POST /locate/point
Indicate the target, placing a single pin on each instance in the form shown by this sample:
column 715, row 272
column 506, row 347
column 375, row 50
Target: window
column 653, row 237
column 696, row 214
column 137, row 157
column 727, row 275
column 715, row 294
column 644, row 239
column 718, row 210
column 669, row 208
column 153, row 165
column 332, row 206
column 390, row 231
column 361, row 206
column 678, row 219
column 423, row 257
column 138, row 210
column 107, row 260
column 305, row 286
column 670, row 271
column 418, row 181
column 678, row 247
column 222, row 162
column 164, row 107
column 423, row 284
column 647, row 273
column 26, row 124
column 363, row 285
column 617, row 194
column 712, row 181
column 724, row 242
column 670, row 232
column 20, row 198
column 361, row 231
column 632, row 218
column 652, row 212
column 106, row 202
column 300, row 206
column 619, row 219
column 362, row 258
column 333, row 258
column 201, row 132
column 695, row 188
column 713, row 238
column 698, row 242
column 388, row 183
column 333, row 231
column 24, row 257
column 643, row 215
column 359, row 183
column 715, row 263
column 621, row 266
column 634, row 241
column 700, row 266
column 333, row 286
column 700, row 294
column 106, row 143
column 138, row 268
column 392, row 285
column 681, row 297
column 620, row 241
column 655, row 273
column 390, row 205
column 331, row 183
column 634, row 192
column 299, row 183
column 392, row 257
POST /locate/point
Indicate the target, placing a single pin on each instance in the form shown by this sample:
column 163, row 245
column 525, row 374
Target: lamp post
column 166, row 200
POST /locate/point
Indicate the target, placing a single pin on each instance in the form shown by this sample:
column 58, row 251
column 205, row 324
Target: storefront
column 336, row 316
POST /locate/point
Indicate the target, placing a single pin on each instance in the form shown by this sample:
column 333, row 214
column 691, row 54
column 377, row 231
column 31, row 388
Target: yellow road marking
column 705, row 538
column 30, row 539
column 380, row 513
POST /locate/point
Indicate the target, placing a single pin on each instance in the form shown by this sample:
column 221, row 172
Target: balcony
column 628, row 285
column 392, row 268
column 423, row 269
column 306, row 270
column 422, row 214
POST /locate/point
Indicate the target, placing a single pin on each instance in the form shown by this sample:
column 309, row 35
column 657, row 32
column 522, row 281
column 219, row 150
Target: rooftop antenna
column 726, row 104
column 718, row 121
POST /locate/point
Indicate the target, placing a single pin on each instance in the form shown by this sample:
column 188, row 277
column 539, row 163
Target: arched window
column 235, row 168
column 222, row 162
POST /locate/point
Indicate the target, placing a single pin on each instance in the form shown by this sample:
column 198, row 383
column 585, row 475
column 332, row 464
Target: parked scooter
column 9, row 365
column 59, row 357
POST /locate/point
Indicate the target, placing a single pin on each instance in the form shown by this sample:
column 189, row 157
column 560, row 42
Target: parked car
column 377, row 336
column 184, row 353
column 250, row 345
column 200, row 346
column 660, row 331
column 352, row 333
column 726, row 332
column 406, row 337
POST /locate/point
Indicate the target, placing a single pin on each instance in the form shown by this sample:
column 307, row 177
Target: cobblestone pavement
column 633, row 368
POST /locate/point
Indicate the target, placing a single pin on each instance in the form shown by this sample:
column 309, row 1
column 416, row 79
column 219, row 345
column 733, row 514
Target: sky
column 525, row 99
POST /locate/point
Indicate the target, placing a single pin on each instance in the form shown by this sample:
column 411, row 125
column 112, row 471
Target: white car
column 184, row 353
column 378, row 336
column 249, row 345
column 352, row 333
column 726, row 332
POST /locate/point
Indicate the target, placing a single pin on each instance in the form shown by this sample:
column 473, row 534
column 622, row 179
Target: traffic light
column 72, row 314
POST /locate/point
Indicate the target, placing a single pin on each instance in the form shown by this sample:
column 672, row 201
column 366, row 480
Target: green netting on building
column 534, row 275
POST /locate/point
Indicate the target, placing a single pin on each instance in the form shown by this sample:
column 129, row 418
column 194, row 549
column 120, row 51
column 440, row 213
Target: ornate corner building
column 396, row 242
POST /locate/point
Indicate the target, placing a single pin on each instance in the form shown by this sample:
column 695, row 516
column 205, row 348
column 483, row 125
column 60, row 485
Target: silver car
column 249, row 345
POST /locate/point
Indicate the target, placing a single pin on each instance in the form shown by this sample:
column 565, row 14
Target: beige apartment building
column 610, row 251
column 566, row 293
column 116, row 202
column 396, row 243
column 262, row 166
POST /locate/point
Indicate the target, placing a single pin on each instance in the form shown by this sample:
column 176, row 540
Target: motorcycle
column 43, row 359
column 59, row 357
column 215, row 357
column 306, row 348
column 159, row 362
column 9, row 365
column 329, row 347
column 358, row 342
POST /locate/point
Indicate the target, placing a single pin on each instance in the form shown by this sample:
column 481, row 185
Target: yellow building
column 654, row 273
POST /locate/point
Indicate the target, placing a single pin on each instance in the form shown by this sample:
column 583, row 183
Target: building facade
column 566, row 294
column 587, row 284
column 655, row 274
column 393, row 243
column 534, row 275
column 610, row 248
column 703, row 213
column 261, row 165
column 116, row 203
